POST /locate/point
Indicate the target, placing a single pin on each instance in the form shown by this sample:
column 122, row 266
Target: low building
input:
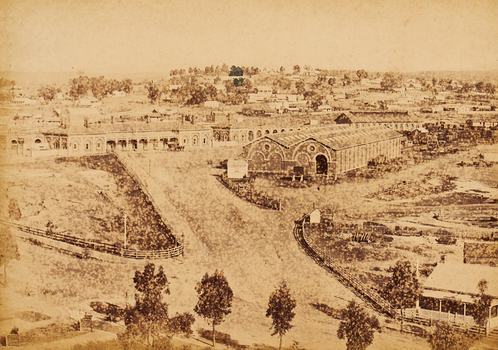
column 395, row 120
column 237, row 168
column 448, row 293
column 211, row 104
column 101, row 138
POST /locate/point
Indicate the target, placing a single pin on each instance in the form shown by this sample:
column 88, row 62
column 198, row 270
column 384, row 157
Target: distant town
column 220, row 106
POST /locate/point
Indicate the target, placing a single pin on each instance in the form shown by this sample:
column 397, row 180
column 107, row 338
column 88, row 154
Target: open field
column 255, row 247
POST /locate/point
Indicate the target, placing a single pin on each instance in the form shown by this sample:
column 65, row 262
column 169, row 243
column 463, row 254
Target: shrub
column 222, row 338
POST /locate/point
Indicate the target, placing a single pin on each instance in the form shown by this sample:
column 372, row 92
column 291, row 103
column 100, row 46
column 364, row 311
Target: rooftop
column 335, row 136
column 462, row 278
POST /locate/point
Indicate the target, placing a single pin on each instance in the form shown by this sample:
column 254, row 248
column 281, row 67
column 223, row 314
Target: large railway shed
column 326, row 150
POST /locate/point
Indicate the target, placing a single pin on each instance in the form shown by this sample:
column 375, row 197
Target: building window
column 98, row 145
column 75, row 146
column 311, row 148
column 87, row 146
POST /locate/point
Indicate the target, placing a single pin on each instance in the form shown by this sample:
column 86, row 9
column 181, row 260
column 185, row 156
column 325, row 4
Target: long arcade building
column 328, row 150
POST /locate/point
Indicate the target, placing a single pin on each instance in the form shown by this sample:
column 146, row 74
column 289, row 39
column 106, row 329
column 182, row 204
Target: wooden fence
column 100, row 246
column 322, row 258
column 426, row 317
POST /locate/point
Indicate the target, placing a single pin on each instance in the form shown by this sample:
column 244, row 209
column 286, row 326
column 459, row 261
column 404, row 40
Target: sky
column 112, row 36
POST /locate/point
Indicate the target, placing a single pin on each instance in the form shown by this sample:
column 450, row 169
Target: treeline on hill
column 189, row 86
column 99, row 86
column 6, row 84
column 79, row 87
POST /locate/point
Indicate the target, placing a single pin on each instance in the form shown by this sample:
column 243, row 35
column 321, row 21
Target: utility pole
column 125, row 238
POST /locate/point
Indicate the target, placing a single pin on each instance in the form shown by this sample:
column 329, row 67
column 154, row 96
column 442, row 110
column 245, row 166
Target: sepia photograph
column 249, row 174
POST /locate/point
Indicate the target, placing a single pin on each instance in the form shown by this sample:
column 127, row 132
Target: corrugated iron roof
column 463, row 278
column 336, row 136
column 383, row 117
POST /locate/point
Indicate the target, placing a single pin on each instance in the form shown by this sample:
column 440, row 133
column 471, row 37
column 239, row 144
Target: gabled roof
column 462, row 278
column 383, row 117
column 335, row 136
column 82, row 111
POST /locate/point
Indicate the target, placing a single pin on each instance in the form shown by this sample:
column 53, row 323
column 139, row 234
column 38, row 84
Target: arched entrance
column 275, row 163
column 111, row 146
column 321, row 164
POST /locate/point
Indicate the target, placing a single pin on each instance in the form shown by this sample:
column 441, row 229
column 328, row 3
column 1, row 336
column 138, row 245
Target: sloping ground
column 85, row 197
column 255, row 248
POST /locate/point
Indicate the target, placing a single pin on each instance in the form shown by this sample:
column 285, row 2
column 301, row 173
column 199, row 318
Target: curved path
column 254, row 247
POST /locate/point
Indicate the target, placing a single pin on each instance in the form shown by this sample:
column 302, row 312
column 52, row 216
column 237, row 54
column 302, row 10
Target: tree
column 197, row 95
column 446, row 337
column 403, row 289
column 358, row 327
column 48, row 92
column 78, row 87
column 390, row 80
column 14, row 210
column 238, row 82
column 480, row 86
column 490, row 89
column 149, row 317
column 482, row 303
column 215, row 299
column 347, row 79
column 225, row 69
column 467, row 87
column 236, row 71
column 182, row 323
column 361, row 74
column 296, row 69
column 126, row 85
column 314, row 99
column 8, row 251
column 153, row 91
column 300, row 87
column 98, row 87
column 280, row 306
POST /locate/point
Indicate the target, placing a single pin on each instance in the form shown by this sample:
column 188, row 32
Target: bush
column 114, row 313
column 222, row 338
column 14, row 211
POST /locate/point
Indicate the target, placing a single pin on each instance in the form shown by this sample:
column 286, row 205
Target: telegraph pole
column 125, row 238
